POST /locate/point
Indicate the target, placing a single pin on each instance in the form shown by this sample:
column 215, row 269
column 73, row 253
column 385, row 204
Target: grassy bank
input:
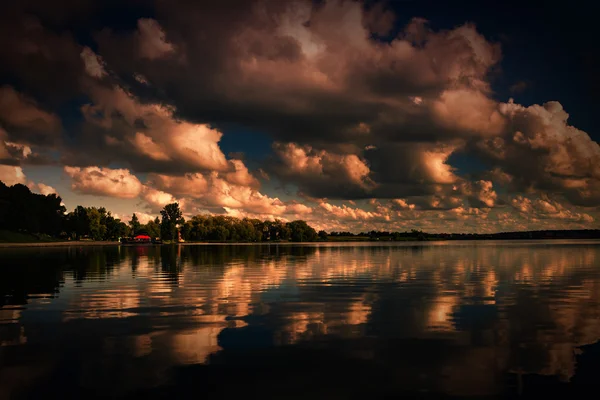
column 57, row 244
column 22, row 237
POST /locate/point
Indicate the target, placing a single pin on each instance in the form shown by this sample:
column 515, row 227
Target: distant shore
column 338, row 239
column 56, row 244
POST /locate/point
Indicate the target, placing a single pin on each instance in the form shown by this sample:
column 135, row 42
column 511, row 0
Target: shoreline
column 58, row 244
column 116, row 243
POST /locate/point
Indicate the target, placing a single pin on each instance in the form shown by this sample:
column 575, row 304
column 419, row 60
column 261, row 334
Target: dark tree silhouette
column 22, row 210
column 171, row 218
column 134, row 224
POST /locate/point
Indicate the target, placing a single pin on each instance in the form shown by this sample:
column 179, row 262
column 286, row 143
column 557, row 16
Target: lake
column 324, row 320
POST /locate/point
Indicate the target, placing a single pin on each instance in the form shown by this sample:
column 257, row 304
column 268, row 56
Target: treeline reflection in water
column 460, row 318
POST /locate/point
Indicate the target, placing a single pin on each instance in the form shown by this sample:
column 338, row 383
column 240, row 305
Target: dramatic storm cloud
column 336, row 112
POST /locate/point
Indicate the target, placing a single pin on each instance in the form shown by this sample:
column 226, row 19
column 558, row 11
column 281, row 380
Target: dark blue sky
column 553, row 49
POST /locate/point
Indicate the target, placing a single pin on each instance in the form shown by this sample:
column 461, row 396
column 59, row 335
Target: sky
column 353, row 116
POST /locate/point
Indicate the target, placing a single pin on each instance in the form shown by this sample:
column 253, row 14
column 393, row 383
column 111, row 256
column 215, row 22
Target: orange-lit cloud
column 348, row 117
column 104, row 181
column 12, row 175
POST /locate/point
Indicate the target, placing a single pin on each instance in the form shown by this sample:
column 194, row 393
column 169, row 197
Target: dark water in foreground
column 300, row 321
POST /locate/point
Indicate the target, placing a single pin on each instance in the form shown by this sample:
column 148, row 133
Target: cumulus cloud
column 151, row 39
column 12, row 175
column 148, row 136
column 191, row 184
column 480, row 193
column 298, row 209
column 468, row 110
column 271, row 70
column 325, row 170
column 216, row 191
column 94, row 65
column 402, row 204
column 350, row 117
column 147, row 146
column 197, row 185
column 411, row 169
column 543, row 152
column 104, row 182
column 157, row 199
column 544, row 207
column 42, row 188
column 21, row 151
column 221, row 193
column 441, row 201
column 240, row 175
column 345, row 212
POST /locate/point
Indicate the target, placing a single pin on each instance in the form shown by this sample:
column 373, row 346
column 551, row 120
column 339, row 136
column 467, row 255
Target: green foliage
column 152, row 228
column 135, row 225
column 78, row 223
column 97, row 220
column 302, row 232
column 94, row 223
column 35, row 215
column 172, row 217
column 222, row 228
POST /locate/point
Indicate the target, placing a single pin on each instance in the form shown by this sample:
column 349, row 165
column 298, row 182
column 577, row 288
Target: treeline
column 420, row 235
column 222, row 228
column 382, row 235
column 37, row 214
column 24, row 211
column 543, row 234
column 93, row 223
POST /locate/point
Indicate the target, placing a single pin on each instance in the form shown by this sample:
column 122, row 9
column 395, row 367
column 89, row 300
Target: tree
column 258, row 229
column 220, row 233
column 322, row 235
column 171, row 218
column 115, row 228
column 199, row 229
column 97, row 229
column 80, row 222
column 134, row 224
column 22, row 210
column 152, row 228
column 301, row 231
column 186, row 230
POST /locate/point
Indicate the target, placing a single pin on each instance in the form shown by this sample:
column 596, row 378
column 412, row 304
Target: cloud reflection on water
column 522, row 308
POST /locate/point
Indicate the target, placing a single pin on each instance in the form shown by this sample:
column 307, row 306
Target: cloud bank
column 364, row 132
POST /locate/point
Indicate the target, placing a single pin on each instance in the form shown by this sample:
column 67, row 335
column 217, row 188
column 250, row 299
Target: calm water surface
column 300, row 321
